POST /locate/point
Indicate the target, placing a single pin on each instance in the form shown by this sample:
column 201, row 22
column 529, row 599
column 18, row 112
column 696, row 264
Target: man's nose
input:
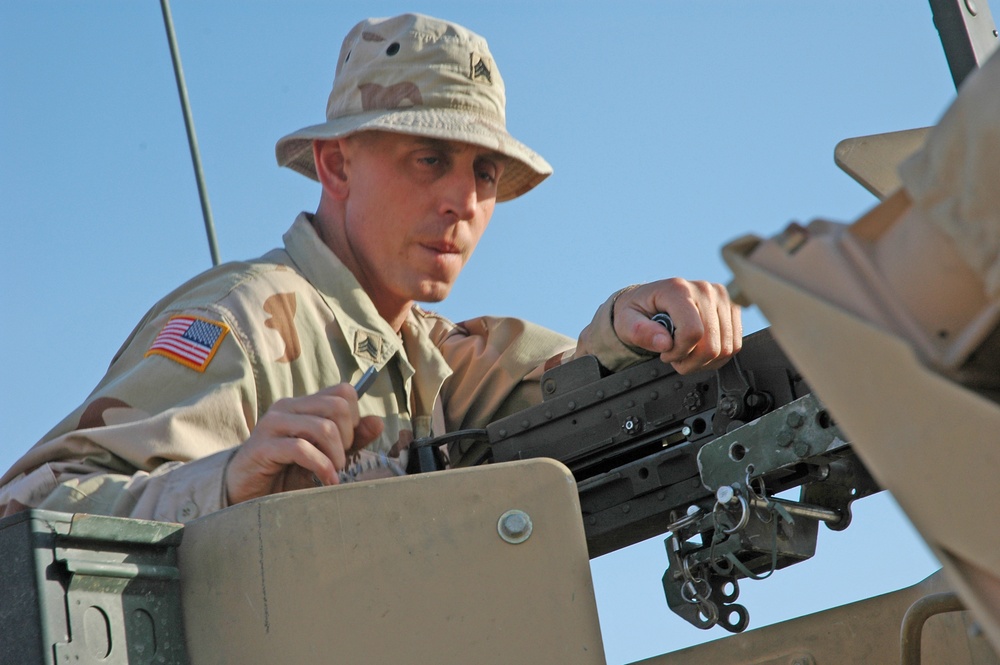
column 460, row 194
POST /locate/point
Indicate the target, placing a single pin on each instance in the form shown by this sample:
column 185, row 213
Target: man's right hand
column 297, row 440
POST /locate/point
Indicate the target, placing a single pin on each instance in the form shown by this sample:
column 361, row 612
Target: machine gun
column 700, row 457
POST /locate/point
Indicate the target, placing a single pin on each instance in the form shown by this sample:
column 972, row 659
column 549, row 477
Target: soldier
column 239, row 383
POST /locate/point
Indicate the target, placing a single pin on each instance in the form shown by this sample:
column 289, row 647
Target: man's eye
column 430, row 160
column 488, row 172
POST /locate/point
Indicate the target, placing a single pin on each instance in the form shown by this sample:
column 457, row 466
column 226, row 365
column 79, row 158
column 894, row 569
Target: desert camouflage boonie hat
column 418, row 75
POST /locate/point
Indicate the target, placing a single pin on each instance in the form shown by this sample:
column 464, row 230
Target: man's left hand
column 708, row 326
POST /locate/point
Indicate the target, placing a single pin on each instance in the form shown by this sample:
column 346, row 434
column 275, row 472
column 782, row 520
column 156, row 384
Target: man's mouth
column 443, row 247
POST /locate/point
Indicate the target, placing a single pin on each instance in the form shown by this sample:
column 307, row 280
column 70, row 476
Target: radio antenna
column 206, row 209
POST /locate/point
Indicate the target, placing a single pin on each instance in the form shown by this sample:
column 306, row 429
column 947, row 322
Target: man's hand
column 300, row 438
column 709, row 328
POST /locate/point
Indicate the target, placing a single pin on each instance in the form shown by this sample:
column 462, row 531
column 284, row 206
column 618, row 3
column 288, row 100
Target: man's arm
column 160, row 439
column 151, row 441
column 498, row 362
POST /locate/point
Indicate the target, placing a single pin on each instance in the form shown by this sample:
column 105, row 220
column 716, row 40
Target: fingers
column 368, row 430
column 708, row 325
column 312, row 434
column 326, row 419
column 265, row 463
column 711, row 344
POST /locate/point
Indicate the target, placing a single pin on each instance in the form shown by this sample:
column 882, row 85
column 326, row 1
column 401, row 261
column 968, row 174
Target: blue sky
column 673, row 128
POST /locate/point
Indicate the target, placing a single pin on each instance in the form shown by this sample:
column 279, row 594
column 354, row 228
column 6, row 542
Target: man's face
column 414, row 212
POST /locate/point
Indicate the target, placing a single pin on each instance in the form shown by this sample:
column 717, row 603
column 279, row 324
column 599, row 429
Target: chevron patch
column 480, row 68
column 367, row 345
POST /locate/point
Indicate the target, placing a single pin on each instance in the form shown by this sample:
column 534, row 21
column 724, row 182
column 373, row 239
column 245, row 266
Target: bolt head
column 514, row 526
column 632, row 425
column 692, row 401
column 728, row 406
column 725, row 495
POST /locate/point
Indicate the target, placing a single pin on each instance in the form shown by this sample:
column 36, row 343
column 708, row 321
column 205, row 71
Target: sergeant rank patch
column 190, row 340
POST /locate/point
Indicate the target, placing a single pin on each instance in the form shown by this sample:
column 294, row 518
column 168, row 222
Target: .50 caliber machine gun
column 701, row 457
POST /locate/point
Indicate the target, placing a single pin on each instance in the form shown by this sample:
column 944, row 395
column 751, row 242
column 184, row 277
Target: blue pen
column 366, row 380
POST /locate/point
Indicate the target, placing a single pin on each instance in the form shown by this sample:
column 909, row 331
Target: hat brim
column 525, row 170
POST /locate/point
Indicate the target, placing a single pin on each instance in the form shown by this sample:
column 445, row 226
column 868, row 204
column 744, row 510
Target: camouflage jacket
column 209, row 359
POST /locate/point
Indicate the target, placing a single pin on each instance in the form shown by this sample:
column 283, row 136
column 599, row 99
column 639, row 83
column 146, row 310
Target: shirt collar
column 370, row 336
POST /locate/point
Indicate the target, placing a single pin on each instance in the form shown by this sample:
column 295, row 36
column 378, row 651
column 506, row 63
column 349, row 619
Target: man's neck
column 393, row 311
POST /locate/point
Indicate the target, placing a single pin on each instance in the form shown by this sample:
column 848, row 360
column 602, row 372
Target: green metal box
column 80, row 589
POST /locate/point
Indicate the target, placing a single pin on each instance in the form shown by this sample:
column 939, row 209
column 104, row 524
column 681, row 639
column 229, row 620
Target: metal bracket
column 968, row 34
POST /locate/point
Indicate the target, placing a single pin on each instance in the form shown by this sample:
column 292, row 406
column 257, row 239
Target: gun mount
column 701, row 457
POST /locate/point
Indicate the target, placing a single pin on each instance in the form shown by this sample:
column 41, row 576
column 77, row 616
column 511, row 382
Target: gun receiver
column 700, row 457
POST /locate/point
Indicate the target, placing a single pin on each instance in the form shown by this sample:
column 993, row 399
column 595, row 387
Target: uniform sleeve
column 498, row 364
column 152, row 441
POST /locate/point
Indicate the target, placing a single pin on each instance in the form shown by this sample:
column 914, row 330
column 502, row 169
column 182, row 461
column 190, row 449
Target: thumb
column 368, row 429
column 639, row 330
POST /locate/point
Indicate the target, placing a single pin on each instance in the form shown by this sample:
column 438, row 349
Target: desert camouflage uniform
column 153, row 439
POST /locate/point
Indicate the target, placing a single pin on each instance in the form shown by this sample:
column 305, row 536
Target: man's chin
column 432, row 293
column 432, row 299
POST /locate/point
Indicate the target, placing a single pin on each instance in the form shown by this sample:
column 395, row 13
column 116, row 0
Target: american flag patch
column 190, row 340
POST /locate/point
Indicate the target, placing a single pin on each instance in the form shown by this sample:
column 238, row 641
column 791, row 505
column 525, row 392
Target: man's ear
column 330, row 166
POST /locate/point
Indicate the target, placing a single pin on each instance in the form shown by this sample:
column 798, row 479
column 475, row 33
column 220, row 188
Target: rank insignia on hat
column 479, row 68
column 367, row 345
column 190, row 340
